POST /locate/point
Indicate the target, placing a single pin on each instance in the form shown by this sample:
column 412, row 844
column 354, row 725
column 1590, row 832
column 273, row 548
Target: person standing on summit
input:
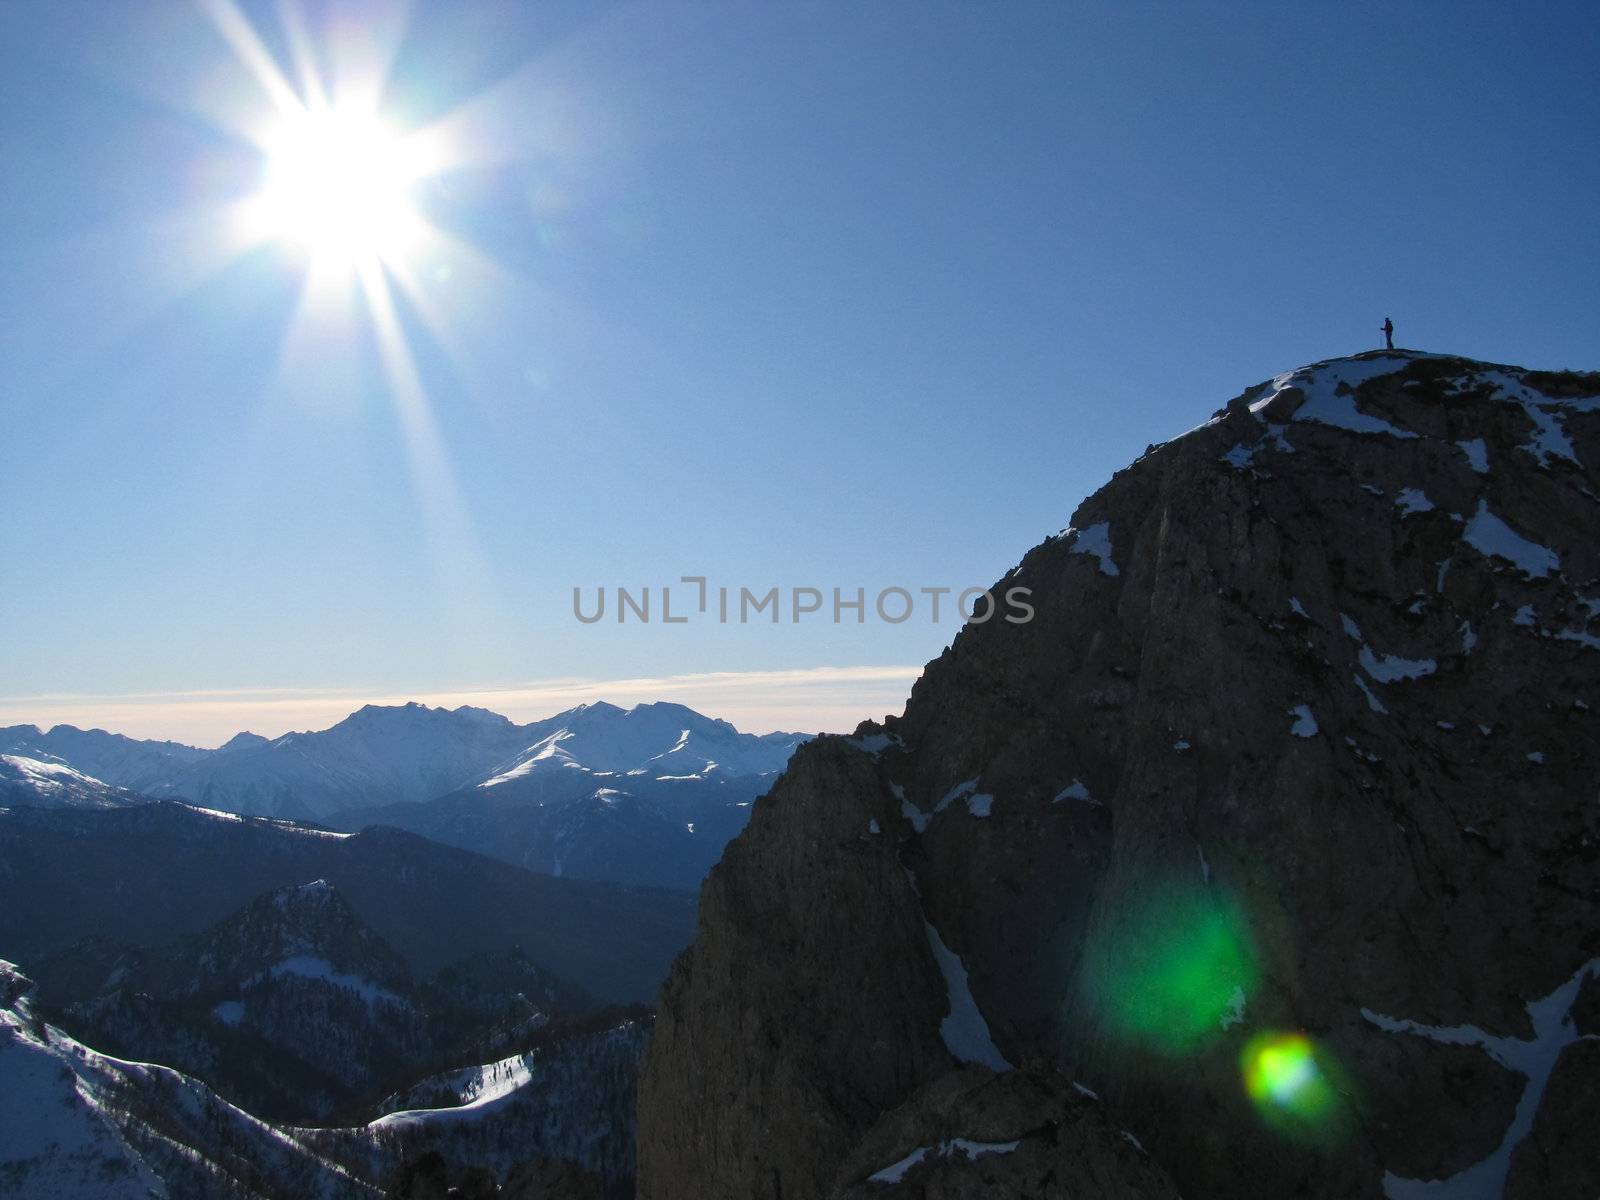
column 1388, row 334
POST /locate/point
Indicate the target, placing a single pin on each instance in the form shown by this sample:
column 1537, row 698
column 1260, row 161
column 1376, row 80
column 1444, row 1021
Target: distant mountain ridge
column 294, row 1007
column 150, row 873
column 649, row 795
column 384, row 755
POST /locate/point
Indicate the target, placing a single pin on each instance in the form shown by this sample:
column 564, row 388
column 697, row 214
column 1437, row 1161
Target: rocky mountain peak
column 1289, row 781
column 243, row 741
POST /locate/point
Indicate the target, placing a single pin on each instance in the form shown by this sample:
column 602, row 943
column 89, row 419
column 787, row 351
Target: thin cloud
column 811, row 699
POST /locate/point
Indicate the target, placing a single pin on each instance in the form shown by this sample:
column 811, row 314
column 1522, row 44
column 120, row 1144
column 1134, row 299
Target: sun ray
column 252, row 54
column 325, row 322
column 301, row 49
column 466, row 268
column 459, row 562
column 376, row 276
column 547, row 109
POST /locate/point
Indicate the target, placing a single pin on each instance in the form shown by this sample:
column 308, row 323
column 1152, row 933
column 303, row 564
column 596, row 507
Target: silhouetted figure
column 1388, row 334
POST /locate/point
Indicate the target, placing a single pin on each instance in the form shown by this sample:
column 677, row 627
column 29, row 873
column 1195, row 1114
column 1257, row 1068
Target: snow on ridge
column 1493, row 538
column 1074, row 791
column 917, row 818
column 1383, row 668
column 683, row 740
column 1240, row 457
column 1096, row 540
column 274, row 822
column 1305, row 724
column 896, row 1171
column 978, row 803
column 1411, row 501
column 1533, row 1058
column 307, row 966
column 92, row 1084
column 961, row 790
column 547, row 748
column 50, row 776
column 216, row 813
column 1477, row 452
column 480, row 1089
column 1373, row 702
column 876, row 743
column 1550, row 438
column 1325, row 404
column 1391, row 668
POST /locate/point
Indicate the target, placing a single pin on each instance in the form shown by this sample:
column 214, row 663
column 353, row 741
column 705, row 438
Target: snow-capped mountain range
column 392, row 755
column 646, row 795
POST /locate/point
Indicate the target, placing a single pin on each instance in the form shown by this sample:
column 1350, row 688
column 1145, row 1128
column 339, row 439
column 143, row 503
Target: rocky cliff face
column 1276, row 828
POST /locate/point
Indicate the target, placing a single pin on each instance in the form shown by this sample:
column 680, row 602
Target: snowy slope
column 571, row 1098
column 117, row 760
column 74, row 1122
column 51, row 783
column 658, row 740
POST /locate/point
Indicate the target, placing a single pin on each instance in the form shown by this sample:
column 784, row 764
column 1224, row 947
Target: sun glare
column 338, row 183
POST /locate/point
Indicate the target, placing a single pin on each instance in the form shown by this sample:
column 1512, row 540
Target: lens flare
column 1175, row 973
column 1292, row 1082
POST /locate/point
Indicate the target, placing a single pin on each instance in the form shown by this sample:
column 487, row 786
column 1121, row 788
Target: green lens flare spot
column 1175, row 973
column 1292, row 1083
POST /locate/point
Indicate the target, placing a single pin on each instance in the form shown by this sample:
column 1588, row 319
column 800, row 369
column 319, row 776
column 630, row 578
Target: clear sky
column 854, row 295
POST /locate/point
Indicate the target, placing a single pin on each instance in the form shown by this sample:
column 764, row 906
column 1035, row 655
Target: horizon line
column 826, row 699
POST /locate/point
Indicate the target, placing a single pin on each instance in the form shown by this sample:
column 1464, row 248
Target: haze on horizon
column 831, row 699
column 342, row 341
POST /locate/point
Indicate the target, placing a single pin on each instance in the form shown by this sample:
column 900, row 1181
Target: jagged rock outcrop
column 975, row 1134
column 1277, row 826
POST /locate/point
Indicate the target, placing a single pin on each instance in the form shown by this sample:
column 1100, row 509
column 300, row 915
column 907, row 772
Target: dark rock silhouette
column 1276, row 828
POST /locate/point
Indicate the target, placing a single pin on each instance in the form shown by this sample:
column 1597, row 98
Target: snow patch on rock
column 1493, row 538
column 1533, row 1058
column 1096, row 540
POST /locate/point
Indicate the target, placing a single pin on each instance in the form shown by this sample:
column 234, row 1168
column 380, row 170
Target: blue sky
column 826, row 295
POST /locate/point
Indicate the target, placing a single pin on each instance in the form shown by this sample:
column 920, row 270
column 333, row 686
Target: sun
column 337, row 183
